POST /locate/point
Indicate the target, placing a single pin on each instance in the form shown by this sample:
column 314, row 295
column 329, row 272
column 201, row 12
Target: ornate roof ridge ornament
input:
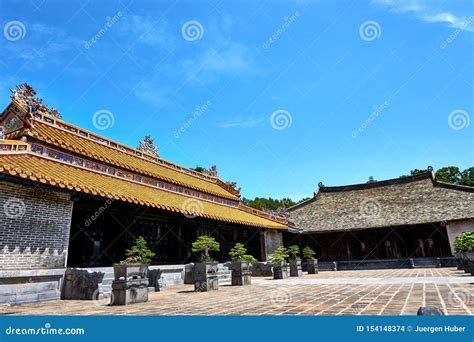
column 147, row 145
column 26, row 94
column 212, row 171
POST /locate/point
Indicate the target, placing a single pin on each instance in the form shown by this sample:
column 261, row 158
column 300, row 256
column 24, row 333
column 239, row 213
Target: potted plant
column 278, row 261
column 131, row 282
column 308, row 254
column 241, row 262
column 135, row 266
column 205, row 271
column 458, row 250
column 295, row 261
column 464, row 246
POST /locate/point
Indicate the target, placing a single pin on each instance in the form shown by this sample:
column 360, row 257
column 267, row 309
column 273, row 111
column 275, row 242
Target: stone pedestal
column 465, row 263
column 241, row 274
column 130, row 271
column 312, row 266
column 155, row 280
column 295, row 268
column 81, row 284
column 130, row 291
column 458, row 259
column 470, row 262
column 280, row 270
column 262, row 269
column 205, row 277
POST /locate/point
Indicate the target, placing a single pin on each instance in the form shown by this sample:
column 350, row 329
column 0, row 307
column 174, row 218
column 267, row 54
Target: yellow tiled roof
column 104, row 153
column 58, row 174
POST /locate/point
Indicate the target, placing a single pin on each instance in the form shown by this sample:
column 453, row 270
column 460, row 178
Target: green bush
column 139, row 253
column 294, row 252
column 280, row 254
column 464, row 242
column 308, row 253
column 238, row 253
column 205, row 244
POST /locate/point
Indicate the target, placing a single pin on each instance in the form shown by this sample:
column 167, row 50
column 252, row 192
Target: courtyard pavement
column 374, row 292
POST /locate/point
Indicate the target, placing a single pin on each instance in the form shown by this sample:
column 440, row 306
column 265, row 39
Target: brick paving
column 375, row 292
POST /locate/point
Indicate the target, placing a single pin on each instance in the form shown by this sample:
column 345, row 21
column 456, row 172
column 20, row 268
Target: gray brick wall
column 34, row 227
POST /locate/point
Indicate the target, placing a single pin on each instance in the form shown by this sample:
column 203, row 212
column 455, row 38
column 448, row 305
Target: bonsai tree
column 205, row 244
column 294, row 252
column 238, row 253
column 279, row 255
column 308, row 253
column 464, row 242
column 139, row 253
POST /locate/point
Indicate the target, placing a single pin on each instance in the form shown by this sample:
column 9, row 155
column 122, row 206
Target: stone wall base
column 29, row 286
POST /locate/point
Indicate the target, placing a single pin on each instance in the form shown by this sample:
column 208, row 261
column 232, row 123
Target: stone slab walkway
column 375, row 292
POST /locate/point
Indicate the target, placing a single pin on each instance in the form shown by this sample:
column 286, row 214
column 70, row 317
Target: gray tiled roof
column 402, row 201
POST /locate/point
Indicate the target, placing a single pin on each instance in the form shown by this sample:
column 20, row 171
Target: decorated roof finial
column 26, row 94
column 321, row 185
column 213, row 171
column 430, row 168
column 147, row 145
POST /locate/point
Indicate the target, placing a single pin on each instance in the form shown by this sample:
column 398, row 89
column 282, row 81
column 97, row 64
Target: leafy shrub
column 294, row 252
column 280, row 254
column 464, row 242
column 238, row 253
column 205, row 244
column 139, row 253
column 308, row 253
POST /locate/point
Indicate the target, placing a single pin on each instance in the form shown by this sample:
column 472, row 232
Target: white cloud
column 241, row 122
column 430, row 12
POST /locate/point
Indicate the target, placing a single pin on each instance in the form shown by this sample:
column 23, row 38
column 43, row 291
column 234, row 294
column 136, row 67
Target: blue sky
column 280, row 95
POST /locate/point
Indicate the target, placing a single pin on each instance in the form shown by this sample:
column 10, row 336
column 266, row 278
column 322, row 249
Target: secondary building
column 408, row 217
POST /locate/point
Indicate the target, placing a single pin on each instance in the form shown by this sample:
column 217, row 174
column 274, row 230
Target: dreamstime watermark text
column 377, row 110
column 198, row 111
column 287, row 22
column 109, row 22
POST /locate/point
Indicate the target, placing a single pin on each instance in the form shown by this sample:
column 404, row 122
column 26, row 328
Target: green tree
column 239, row 253
column 199, row 169
column 280, row 254
column 205, row 244
column 467, row 177
column 139, row 253
column 308, row 253
column 449, row 174
column 415, row 172
column 464, row 242
column 294, row 252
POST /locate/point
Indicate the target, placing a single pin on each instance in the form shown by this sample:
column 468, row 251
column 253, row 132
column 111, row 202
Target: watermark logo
column 280, row 297
column 102, row 299
column 458, row 119
column 460, row 295
column 198, row 111
column 192, row 208
column 370, row 30
column 287, row 22
column 370, row 208
column 377, row 110
column 103, row 119
column 14, row 30
column 452, row 37
column 109, row 22
column 281, row 119
column 192, row 30
column 14, row 208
